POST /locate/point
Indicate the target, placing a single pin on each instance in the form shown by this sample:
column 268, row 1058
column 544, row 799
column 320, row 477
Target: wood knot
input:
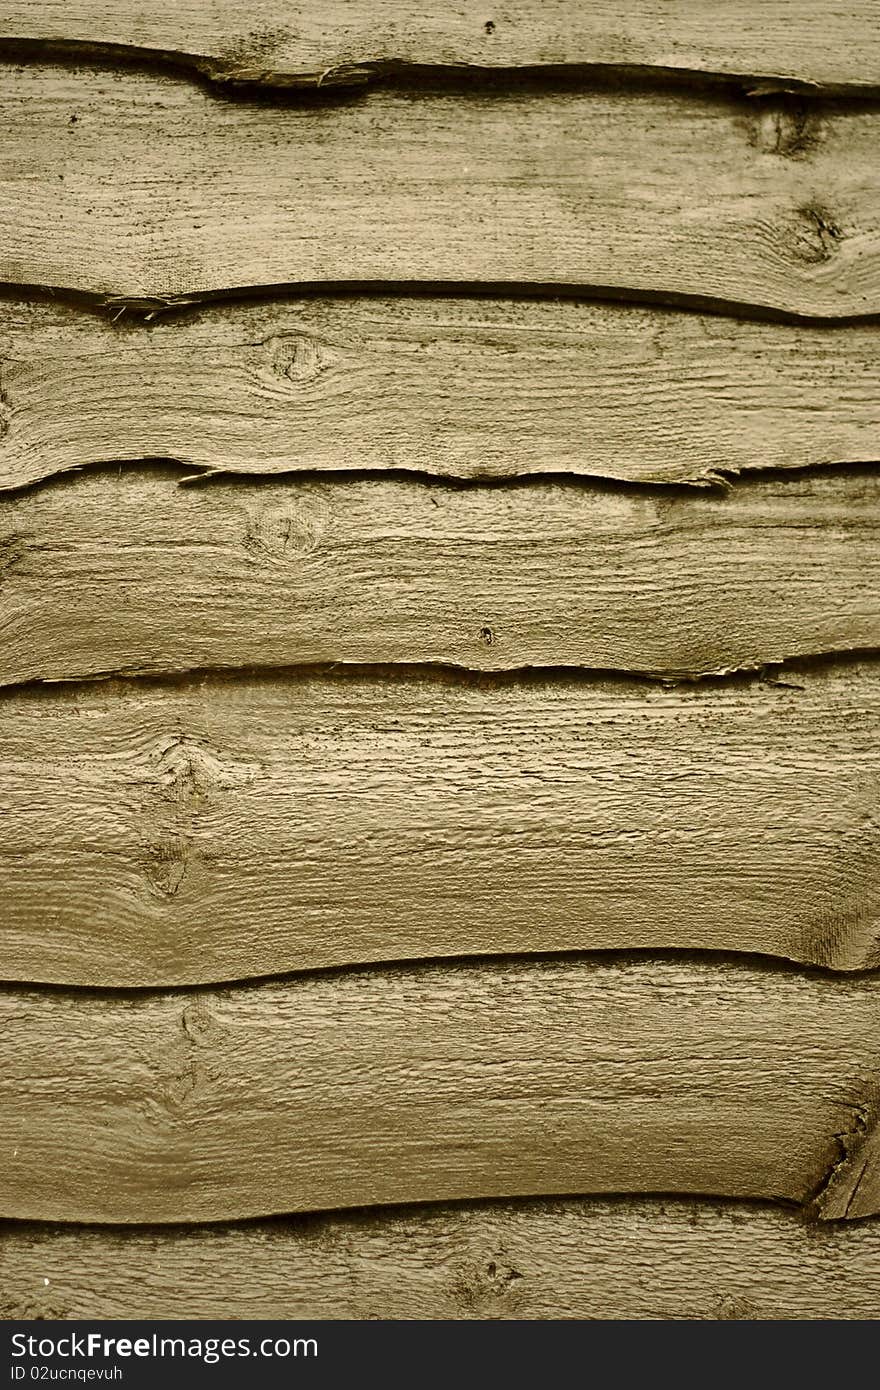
column 816, row 235
column 299, row 359
column 12, row 551
column 167, row 860
column 785, row 126
column 183, row 780
column 284, row 534
column 738, row 1309
column 197, row 1021
column 186, row 1068
column 188, row 772
column 490, row 1287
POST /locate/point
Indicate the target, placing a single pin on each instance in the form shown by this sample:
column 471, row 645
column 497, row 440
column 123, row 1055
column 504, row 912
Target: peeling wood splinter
column 775, row 43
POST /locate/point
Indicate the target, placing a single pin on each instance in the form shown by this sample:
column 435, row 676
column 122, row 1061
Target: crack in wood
column 851, row 1188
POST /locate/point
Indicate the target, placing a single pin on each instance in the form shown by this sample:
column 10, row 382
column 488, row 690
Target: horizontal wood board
column 331, row 43
column 439, row 1082
column 216, row 828
column 163, row 578
column 137, row 184
column 471, row 388
column 595, row 1259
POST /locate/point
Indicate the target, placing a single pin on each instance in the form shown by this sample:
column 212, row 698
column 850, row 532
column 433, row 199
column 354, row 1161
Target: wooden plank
column 143, row 185
column 642, row 1258
column 343, row 43
column 460, row 387
column 221, row 828
column 397, row 571
column 438, row 1082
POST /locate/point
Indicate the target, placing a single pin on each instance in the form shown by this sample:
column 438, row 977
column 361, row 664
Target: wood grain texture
column 793, row 40
column 457, row 387
column 142, row 185
column 222, row 828
column 438, row 1082
column 601, row 1259
column 394, row 571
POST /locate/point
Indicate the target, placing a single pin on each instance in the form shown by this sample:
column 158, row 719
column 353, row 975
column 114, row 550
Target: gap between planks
column 772, row 44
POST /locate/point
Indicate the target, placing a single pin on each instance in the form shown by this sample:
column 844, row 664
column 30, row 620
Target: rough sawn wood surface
column 329, row 924
column 219, row 828
column 595, row 1259
column 144, row 185
column 128, row 571
column 471, row 388
column 436, row 1082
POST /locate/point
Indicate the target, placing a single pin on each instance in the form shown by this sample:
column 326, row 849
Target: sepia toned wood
column 476, row 388
column 146, row 186
column 325, row 44
column 853, row 1187
column 163, row 578
column 273, row 768
column 437, row 1082
column 636, row 1258
column 217, row 828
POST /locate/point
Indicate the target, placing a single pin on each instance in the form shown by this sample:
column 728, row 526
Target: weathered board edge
column 804, row 257
column 269, row 61
column 288, row 388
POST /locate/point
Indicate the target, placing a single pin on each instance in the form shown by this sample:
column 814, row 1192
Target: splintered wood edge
column 852, row 1188
column 597, row 1259
column 773, row 48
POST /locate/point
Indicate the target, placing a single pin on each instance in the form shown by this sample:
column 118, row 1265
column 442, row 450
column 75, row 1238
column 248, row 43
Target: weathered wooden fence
column 439, row 702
